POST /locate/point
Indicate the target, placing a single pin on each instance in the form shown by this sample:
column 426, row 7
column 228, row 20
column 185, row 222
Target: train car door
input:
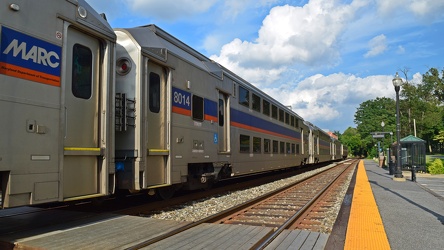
column 224, row 122
column 311, row 146
column 81, row 121
column 157, row 171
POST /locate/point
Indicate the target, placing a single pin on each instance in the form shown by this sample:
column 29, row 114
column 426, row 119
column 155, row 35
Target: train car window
column 81, row 85
column 154, row 92
column 275, row 147
column 221, row 112
column 234, row 89
column 257, row 145
column 293, row 148
column 282, row 147
column 244, row 96
column 256, row 103
column 281, row 115
column 266, row 107
column 267, row 144
column 244, row 143
column 197, row 107
column 287, row 118
column 296, row 125
column 274, row 112
column 298, row 150
column 292, row 121
column 288, row 148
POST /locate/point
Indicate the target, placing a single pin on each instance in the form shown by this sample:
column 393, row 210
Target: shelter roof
column 412, row 138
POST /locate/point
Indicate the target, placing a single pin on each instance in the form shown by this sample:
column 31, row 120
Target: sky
column 321, row 57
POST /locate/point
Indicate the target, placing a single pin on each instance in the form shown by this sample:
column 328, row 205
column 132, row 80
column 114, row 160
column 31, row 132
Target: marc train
column 87, row 110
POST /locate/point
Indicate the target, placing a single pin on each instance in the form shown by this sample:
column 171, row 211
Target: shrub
column 435, row 167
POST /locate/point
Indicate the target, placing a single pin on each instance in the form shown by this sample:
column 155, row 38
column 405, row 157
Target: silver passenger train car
column 87, row 110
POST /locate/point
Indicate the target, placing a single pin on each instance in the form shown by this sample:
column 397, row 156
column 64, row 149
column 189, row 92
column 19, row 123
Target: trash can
column 381, row 161
column 392, row 163
column 391, row 168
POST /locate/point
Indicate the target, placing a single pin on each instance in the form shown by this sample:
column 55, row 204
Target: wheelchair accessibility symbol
column 215, row 138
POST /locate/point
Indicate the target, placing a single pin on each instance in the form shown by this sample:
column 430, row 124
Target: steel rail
column 296, row 216
column 219, row 216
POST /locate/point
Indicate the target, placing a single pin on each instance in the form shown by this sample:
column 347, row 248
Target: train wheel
column 166, row 193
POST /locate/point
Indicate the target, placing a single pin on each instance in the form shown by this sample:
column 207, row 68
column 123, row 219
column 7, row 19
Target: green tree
column 435, row 81
column 421, row 106
column 368, row 118
column 352, row 139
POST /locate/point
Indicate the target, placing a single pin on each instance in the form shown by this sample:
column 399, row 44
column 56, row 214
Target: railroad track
column 290, row 207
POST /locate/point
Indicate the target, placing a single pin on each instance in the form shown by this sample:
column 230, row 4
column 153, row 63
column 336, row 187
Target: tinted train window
column 256, row 103
column 198, row 108
column 81, row 85
column 257, row 145
column 274, row 112
column 275, row 147
column 154, row 92
column 267, row 144
column 282, row 147
column 244, row 143
column 221, row 112
column 266, row 107
column 244, row 96
column 281, row 115
column 287, row 118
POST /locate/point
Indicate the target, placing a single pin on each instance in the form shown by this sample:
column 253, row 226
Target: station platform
column 377, row 213
column 389, row 214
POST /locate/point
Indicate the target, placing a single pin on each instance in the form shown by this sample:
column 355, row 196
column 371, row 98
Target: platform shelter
column 413, row 153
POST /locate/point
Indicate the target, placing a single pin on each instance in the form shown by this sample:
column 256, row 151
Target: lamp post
column 390, row 155
column 397, row 82
column 382, row 143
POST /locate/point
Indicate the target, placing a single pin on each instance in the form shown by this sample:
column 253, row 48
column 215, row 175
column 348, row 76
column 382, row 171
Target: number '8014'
column 181, row 98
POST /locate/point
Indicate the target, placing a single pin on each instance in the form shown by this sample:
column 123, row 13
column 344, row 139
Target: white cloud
column 401, row 49
column 308, row 35
column 377, row 45
column 321, row 99
column 416, row 78
column 426, row 10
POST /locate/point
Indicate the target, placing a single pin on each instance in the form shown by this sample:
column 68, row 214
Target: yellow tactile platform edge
column 365, row 229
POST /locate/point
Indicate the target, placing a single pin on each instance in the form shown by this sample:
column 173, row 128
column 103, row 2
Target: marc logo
column 36, row 54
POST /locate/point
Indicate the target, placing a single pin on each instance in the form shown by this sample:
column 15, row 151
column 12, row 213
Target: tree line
column 421, row 110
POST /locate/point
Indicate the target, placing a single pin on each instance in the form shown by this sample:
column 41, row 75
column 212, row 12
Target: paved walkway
column 412, row 212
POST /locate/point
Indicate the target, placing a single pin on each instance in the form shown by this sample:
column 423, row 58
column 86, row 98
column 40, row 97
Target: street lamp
column 382, row 143
column 397, row 82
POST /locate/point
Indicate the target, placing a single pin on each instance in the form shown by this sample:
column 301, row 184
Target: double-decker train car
column 56, row 102
column 88, row 110
column 344, row 151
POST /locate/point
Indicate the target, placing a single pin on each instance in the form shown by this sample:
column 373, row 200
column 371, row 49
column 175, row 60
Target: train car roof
column 94, row 20
column 158, row 43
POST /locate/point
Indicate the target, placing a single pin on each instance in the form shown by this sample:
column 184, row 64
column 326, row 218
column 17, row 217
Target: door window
column 154, row 92
column 81, row 72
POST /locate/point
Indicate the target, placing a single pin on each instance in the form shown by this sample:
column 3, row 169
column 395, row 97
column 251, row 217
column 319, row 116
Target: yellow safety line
column 81, row 149
column 365, row 229
column 158, row 150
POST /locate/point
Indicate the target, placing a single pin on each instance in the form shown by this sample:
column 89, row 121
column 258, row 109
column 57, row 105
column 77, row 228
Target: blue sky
column 322, row 57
